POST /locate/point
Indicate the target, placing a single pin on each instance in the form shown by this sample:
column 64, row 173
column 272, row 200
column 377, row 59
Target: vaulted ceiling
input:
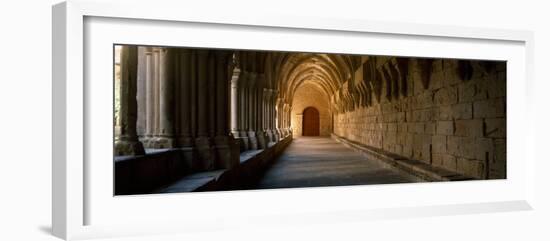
column 327, row 71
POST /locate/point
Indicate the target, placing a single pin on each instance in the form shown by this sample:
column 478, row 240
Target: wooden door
column 310, row 122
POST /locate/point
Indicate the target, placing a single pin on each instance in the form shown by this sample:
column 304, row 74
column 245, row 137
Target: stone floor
column 321, row 161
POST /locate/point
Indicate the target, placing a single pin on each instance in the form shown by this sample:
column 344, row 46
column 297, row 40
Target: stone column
column 141, row 95
column 259, row 112
column 127, row 142
column 235, row 102
column 289, row 119
column 278, row 117
column 202, row 141
column 224, row 142
column 242, row 110
column 185, row 78
column 283, row 120
column 221, row 97
column 253, row 141
column 274, row 116
column 269, row 106
column 267, row 116
column 211, row 96
column 166, row 135
column 193, row 94
column 150, row 94
column 156, row 96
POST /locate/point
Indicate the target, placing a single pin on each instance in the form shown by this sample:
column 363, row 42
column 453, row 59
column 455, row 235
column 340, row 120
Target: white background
column 25, row 99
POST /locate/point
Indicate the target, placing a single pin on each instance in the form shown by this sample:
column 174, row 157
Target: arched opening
column 310, row 122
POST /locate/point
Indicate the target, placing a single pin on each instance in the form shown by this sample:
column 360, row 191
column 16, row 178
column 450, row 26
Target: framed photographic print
column 206, row 122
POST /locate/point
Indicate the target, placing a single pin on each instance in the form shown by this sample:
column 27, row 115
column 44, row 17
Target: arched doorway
column 310, row 122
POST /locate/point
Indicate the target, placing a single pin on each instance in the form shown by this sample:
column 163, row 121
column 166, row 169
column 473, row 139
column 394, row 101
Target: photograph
column 191, row 119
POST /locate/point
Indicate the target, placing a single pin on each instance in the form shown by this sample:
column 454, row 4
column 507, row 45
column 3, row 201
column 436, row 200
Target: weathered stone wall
column 452, row 114
column 310, row 95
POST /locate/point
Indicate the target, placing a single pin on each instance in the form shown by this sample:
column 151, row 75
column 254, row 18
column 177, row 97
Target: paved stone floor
column 321, row 161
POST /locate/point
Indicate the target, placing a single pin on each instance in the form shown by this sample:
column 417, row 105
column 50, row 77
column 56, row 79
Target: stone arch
column 307, row 95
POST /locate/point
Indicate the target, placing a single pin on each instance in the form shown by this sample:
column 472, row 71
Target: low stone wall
column 247, row 174
column 446, row 113
column 158, row 171
column 143, row 174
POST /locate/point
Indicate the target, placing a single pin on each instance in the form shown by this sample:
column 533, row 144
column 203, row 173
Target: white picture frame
column 73, row 191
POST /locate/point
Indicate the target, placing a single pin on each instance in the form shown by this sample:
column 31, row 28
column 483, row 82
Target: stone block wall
column 452, row 115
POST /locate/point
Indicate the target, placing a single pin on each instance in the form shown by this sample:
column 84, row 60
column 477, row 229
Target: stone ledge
column 143, row 174
column 193, row 182
column 252, row 163
column 419, row 169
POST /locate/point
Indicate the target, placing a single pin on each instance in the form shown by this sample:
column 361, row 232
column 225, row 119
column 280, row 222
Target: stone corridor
column 321, row 161
column 213, row 119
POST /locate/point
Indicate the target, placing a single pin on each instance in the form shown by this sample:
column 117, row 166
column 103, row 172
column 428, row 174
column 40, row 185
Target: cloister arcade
column 229, row 114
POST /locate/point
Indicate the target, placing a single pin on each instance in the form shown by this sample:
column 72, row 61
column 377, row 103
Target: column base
column 189, row 159
column 261, row 137
column 243, row 141
column 147, row 141
column 275, row 135
column 129, row 148
column 205, row 153
column 184, row 141
column 225, row 147
column 252, row 141
column 164, row 142
column 269, row 137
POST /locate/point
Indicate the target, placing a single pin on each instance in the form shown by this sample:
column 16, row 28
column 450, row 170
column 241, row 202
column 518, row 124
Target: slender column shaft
column 289, row 115
column 244, row 101
column 128, row 143
column 259, row 103
column 202, row 141
column 141, row 126
column 166, row 138
column 251, row 111
column 274, row 116
column 211, row 95
column 185, row 97
column 286, row 125
column 149, row 99
column 251, row 102
column 277, row 114
column 269, row 110
column 227, row 152
column 177, row 76
column 234, row 101
column 273, row 110
column 259, row 112
column 202, row 93
column 221, row 93
column 193, row 70
column 242, row 110
column 156, row 91
column 264, row 109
